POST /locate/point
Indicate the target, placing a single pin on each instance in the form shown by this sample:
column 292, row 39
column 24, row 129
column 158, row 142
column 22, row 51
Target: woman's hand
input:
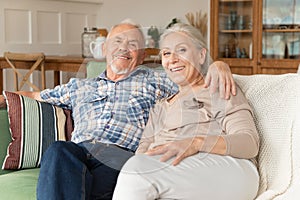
column 179, row 149
column 220, row 76
column 2, row 102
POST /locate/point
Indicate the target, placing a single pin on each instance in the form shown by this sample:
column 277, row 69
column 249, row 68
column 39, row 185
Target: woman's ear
column 202, row 55
column 104, row 49
column 144, row 55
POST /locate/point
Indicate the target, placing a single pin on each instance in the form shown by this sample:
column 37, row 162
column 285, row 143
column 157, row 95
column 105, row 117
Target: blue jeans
column 87, row 170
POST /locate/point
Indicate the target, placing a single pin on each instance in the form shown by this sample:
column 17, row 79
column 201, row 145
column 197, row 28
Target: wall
column 49, row 26
column 55, row 26
column 147, row 13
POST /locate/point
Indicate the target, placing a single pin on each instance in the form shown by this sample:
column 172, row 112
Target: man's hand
column 220, row 76
column 2, row 102
column 179, row 149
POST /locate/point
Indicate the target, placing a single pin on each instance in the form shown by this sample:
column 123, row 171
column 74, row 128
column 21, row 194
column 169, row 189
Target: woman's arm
column 184, row 148
column 148, row 134
column 240, row 139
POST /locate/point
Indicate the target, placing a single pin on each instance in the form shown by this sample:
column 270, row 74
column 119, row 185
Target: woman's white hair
column 197, row 39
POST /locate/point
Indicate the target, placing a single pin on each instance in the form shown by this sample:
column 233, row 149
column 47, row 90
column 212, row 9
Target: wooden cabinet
column 256, row 36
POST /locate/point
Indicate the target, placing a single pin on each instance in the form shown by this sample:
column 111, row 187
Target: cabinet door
column 280, row 46
column 233, row 30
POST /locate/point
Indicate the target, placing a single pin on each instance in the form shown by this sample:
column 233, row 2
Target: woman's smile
column 177, row 69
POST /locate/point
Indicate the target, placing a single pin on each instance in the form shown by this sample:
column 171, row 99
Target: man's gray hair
column 129, row 21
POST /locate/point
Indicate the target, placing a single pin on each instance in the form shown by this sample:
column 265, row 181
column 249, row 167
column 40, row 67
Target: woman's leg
column 63, row 173
column 202, row 176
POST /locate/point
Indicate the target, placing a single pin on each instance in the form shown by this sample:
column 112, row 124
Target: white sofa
column 275, row 100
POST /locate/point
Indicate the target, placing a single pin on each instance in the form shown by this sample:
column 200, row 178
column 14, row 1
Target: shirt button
column 107, row 126
column 117, row 98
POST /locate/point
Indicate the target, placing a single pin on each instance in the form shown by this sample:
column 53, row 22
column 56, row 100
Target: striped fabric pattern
column 34, row 126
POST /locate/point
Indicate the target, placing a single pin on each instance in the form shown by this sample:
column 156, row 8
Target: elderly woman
column 195, row 145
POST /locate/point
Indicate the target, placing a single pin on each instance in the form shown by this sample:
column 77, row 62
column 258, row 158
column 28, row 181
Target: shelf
column 229, row 1
column 80, row 1
column 229, row 60
column 236, row 31
column 281, row 30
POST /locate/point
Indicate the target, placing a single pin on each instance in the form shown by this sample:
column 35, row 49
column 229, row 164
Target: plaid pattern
column 111, row 112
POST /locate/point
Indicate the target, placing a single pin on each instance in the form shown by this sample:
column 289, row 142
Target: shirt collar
column 103, row 76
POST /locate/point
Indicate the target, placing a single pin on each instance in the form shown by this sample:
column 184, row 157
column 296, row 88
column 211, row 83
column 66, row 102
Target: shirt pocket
column 139, row 106
column 192, row 111
column 93, row 104
column 92, row 97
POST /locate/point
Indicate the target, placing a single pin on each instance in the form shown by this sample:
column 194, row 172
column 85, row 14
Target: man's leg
column 105, row 164
column 63, row 173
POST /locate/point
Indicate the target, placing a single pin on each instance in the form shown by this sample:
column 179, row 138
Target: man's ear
column 202, row 55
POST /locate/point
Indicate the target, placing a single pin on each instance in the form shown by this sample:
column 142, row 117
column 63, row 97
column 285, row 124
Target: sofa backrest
column 94, row 68
column 5, row 138
column 275, row 100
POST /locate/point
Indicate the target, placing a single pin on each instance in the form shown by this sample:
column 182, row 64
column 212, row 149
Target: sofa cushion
column 94, row 68
column 19, row 184
column 275, row 102
column 34, row 126
column 5, row 137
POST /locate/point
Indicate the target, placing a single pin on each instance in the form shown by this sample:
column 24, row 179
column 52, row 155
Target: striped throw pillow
column 34, row 126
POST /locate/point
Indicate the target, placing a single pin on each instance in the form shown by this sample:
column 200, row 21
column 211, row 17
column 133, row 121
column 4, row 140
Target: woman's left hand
column 219, row 77
column 179, row 149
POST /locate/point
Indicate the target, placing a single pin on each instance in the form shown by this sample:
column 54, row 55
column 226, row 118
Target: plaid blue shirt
column 111, row 112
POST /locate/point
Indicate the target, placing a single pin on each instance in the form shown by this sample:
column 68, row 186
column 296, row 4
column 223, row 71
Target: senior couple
column 141, row 134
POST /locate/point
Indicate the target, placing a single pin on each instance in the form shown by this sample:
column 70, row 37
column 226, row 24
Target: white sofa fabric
column 275, row 100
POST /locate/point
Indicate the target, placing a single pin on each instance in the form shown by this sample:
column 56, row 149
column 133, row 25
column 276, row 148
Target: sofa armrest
column 5, row 138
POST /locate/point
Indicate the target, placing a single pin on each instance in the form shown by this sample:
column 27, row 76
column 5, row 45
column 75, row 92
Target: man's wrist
column 2, row 102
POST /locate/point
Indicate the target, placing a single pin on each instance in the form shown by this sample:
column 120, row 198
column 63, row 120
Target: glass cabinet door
column 281, row 29
column 256, row 36
column 235, row 29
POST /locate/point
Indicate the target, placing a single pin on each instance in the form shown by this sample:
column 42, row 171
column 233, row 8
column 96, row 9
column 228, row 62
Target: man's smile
column 122, row 56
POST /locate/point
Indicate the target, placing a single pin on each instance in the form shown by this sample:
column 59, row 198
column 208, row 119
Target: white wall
column 147, row 13
column 55, row 26
column 50, row 26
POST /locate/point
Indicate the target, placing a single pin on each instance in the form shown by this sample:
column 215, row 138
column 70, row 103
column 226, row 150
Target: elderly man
column 109, row 113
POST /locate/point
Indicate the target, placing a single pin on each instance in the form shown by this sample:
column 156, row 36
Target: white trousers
column 199, row 177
